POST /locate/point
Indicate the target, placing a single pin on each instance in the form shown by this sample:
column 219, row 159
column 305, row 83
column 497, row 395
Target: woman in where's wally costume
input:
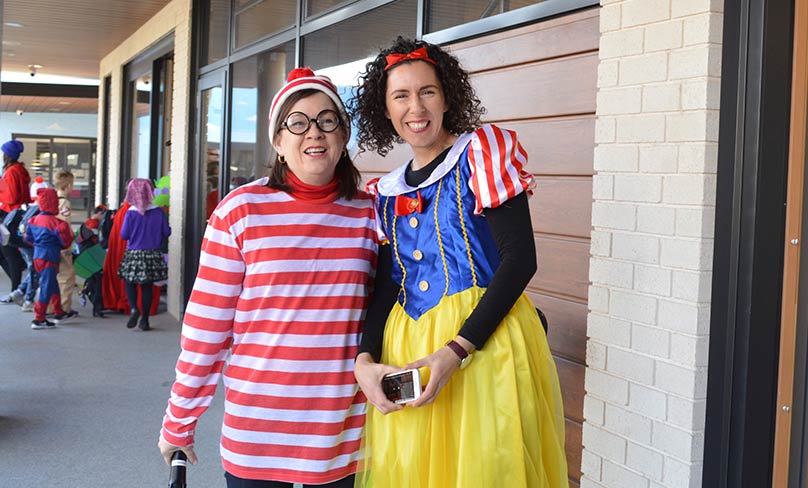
column 450, row 288
column 284, row 280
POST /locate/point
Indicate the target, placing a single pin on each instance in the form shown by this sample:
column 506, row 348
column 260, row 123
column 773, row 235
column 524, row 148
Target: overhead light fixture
column 13, row 24
column 64, row 103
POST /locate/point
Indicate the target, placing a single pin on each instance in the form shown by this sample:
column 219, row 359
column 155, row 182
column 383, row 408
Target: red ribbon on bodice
column 405, row 205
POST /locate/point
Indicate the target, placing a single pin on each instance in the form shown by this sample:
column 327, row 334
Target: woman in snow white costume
column 450, row 287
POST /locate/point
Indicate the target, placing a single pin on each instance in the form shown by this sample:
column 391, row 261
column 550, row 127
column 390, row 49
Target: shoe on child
column 27, row 306
column 14, row 297
column 65, row 317
column 134, row 314
column 42, row 324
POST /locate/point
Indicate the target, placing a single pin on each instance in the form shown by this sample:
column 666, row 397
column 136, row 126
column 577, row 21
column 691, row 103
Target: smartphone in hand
column 402, row 387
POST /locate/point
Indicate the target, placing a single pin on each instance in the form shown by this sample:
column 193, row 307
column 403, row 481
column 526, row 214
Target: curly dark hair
column 376, row 132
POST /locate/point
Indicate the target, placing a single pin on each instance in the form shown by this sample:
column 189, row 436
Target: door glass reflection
column 211, row 135
column 141, row 127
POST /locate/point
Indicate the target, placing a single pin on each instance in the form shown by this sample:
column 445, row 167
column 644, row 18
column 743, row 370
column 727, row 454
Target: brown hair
column 345, row 172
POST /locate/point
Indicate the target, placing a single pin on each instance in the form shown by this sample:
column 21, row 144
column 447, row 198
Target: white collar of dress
column 394, row 183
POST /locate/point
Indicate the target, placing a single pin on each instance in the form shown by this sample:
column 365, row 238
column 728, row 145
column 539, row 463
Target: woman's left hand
column 442, row 364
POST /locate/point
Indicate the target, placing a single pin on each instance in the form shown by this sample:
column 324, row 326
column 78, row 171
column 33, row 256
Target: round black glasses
column 299, row 123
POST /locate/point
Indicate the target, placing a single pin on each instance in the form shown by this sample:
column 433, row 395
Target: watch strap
column 458, row 349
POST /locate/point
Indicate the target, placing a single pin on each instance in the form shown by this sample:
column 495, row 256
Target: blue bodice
column 443, row 249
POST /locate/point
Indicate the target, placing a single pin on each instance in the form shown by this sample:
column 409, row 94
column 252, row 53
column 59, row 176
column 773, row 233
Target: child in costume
column 114, row 288
column 145, row 227
column 30, row 284
column 450, row 287
column 63, row 182
column 89, row 249
column 50, row 236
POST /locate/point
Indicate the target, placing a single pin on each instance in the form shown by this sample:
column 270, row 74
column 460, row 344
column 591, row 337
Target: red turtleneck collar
column 311, row 193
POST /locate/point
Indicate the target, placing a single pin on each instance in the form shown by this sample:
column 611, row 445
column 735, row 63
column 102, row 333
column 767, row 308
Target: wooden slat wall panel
column 573, row 434
column 561, row 36
column 562, row 86
column 566, row 155
column 567, row 333
column 571, row 375
column 562, row 206
column 563, row 267
column 540, row 80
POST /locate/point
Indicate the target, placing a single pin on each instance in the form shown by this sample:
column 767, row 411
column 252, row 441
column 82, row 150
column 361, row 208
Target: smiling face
column 312, row 156
column 415, row 106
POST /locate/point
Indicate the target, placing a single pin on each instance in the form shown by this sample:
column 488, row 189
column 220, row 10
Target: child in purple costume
column 145, row 226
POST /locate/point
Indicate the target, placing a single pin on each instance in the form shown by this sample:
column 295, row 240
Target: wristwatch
column 463, row 355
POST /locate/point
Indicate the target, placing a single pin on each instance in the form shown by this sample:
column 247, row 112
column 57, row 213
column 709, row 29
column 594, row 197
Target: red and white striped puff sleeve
column 207, row 329
column 497, row 163
column 373, row 191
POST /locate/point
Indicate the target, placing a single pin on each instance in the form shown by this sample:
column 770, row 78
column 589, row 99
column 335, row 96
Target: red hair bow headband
column 418, row 54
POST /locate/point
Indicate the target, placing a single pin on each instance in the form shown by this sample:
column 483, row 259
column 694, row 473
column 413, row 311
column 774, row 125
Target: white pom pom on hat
column 304, row 79
column 36, row 185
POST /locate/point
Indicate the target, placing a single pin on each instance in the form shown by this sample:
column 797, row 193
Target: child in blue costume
column 49, row 235
column 450, row 287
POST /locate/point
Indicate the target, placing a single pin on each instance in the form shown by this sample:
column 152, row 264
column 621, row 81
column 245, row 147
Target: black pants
column 14, row 265
column 235, row 482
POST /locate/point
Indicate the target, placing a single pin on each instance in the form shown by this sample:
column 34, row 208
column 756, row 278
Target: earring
column 281, row 159
column 345, row 152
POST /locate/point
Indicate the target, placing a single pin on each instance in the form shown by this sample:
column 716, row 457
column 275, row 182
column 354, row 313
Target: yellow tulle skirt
column 499, row 422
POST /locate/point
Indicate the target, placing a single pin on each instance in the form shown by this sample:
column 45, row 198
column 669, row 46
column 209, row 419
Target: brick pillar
column 652, row 243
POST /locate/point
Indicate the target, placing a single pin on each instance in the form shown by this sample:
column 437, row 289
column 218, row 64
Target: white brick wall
column 174, row 17
column 652, row 243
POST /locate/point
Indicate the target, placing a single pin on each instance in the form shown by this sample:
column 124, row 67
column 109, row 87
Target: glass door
column 140, row 121
column 205, row 187
column 210, row 150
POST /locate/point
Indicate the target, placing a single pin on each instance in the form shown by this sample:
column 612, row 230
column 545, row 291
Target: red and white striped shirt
column 283, row 286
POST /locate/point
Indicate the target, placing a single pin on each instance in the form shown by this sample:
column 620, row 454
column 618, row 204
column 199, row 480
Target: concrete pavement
column 81, row 405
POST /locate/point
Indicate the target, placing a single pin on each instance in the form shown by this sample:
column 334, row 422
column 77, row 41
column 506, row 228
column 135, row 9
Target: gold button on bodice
column 423, row 286
column 413, row 222
column 418, row 255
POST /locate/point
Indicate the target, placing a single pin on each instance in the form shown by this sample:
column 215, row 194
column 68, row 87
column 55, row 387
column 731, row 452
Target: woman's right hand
column 369, row 375
column 167, row 450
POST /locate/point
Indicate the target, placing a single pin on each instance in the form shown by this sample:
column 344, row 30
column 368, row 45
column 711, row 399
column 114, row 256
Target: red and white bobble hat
column 36, row 185
column 304, row 79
